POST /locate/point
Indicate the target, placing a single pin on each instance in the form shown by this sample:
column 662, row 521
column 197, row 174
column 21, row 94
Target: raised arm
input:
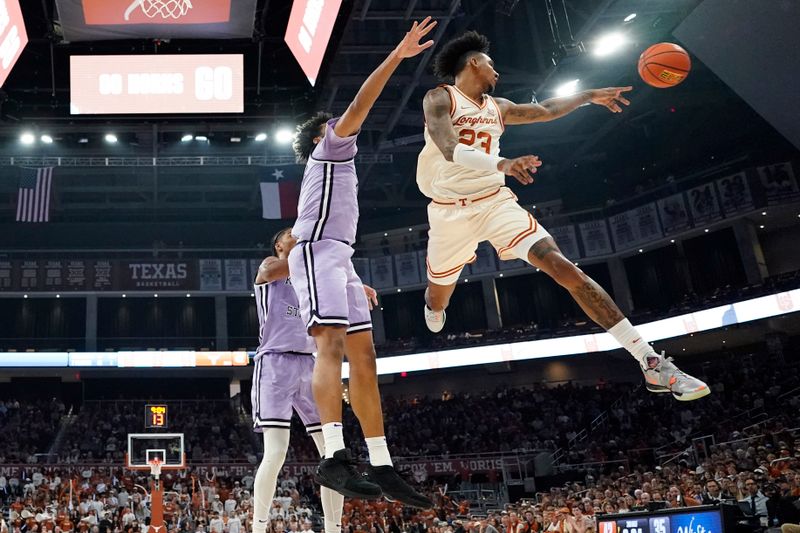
column 553, row 108
column 359, row 108
column 272, row 269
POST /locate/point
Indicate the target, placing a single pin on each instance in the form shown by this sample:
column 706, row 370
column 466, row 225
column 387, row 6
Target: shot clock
column 155, row 416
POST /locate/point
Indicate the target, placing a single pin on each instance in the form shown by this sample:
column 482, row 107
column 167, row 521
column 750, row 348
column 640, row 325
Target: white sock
column 631, row 340
column 378, row 451
column 276, row 443
column 334, row 438
column 332, row 501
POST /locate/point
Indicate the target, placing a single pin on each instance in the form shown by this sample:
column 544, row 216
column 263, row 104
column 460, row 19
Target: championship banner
column 361, row 266
column 70, row 275
column 210, row 274
column 703, row 203
column 485, row 262
column 236, row 278
column 567, row 240
column 623, row 230
column 734, row 194
column 674, row 216
column 595, row 238
column 99, row 20
column 381, row 272
column 648, row 228
column 778, row 182
column 407, row 268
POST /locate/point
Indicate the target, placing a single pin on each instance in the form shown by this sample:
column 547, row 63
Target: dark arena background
column 146, row 162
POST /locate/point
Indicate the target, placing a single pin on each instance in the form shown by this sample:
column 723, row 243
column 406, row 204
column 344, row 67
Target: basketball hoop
column 165, row 8
column 155, row 467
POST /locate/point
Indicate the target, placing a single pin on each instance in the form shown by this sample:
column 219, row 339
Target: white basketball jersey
column 479, row 125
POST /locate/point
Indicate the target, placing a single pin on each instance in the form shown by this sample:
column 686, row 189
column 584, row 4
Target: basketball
column 664, row 65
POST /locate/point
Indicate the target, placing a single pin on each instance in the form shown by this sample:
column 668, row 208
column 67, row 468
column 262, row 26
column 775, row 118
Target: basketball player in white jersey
column 461, row 171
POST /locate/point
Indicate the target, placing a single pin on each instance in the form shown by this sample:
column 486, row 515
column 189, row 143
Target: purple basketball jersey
column 281, row 330
column 328, row 207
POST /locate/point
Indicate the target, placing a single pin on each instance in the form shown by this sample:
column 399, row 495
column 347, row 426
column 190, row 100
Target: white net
column 165, row 8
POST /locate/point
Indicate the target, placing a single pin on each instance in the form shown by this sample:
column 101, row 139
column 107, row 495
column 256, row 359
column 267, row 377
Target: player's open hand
column 522, row 168
column 372, row 297
column 611, row 97
column 410, row 45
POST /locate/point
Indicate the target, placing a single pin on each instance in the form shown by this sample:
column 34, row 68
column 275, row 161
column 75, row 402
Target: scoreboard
column 155, row 416
column 684, row 520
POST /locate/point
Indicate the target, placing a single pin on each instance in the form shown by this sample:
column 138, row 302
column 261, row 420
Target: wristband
column 469, row 157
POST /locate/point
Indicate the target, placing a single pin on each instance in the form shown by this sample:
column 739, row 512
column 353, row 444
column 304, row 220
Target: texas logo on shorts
column 106, row 12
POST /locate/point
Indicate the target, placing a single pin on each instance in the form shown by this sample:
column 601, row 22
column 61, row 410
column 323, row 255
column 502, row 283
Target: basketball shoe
column 339, row 473
column 395, row 488
column 661, row 375
column 434, row 320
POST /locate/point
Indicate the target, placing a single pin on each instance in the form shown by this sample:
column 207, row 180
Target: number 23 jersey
column 477, row 124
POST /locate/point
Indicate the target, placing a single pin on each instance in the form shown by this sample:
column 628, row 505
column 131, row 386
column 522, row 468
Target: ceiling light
column 629, row 17
column 111, row 138
column 465, row 280
column 567, row 89
column 399, row 290
column 284, row 136
column 83, row 140
column 124, row 295
column 58, row 296
column 188, row 295
column 706, row 230
column 640, row 250
column 261, row 137
column 609, row 43
column 672, row 241
column 236, row 139
column 27, row 138
column 186, row 138
column 763, row 213
column 761, row 226
column 46, row 139
column 201, row 138
column 24, row 295
column 155, row 296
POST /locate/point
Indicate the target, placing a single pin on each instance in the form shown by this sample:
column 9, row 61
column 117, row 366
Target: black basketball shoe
column 339, row 473
column 395, row 488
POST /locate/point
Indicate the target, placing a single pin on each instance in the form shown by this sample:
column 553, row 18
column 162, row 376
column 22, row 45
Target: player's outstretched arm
column 272, row 269
column 553, row 108
column 359, row 108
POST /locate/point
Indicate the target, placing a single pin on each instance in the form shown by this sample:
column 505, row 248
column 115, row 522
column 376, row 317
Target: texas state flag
column 279, row 198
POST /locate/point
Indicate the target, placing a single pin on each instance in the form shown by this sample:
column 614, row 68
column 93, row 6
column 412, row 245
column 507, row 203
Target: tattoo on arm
column 436, row 106
column 549, row 109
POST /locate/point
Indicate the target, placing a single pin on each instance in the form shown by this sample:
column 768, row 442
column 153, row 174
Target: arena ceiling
column 590, row 156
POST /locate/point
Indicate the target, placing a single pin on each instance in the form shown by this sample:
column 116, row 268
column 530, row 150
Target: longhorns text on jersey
column 478, row 124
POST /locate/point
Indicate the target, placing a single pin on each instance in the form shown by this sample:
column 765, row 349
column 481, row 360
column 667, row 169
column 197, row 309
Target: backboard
column 166, row 447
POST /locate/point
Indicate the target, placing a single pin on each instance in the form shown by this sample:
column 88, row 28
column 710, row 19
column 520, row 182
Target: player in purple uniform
column 332, row 301
column 284, row 363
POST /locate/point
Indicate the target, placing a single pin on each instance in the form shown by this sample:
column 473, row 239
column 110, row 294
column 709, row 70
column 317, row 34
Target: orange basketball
column 664, row 65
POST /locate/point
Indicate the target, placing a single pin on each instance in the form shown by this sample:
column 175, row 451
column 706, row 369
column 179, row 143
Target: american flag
column 33, row 195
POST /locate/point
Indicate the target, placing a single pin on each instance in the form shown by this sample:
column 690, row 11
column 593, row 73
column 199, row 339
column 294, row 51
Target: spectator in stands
column 675, row 498
column 713, row 493
column 754, row 497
